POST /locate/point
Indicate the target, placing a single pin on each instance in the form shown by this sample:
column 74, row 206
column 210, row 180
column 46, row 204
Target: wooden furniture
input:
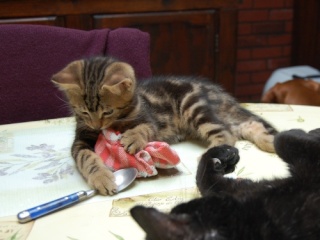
column 306, row 33
column 187, row 36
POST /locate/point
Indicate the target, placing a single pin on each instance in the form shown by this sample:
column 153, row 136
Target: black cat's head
column 173, row 226
column 297, row 144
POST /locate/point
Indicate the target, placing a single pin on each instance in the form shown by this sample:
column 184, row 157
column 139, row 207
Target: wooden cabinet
column 188, row 37
column 306, row 33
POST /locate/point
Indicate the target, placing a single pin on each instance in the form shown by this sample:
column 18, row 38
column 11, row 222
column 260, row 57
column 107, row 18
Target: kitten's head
column 99, row 90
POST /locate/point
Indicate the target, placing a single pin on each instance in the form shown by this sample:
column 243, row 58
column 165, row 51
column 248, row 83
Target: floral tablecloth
column 36, row 167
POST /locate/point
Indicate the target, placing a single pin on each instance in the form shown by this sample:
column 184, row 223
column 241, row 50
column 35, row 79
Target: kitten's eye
column 107, row 113
column 85, row 113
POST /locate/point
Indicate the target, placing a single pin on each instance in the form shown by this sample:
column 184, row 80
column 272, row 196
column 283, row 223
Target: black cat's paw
column 221, row 159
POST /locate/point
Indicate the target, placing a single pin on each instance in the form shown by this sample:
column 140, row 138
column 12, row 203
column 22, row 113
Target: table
column 36, row 167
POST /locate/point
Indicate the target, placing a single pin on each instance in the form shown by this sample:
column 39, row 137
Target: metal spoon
column 123, row 178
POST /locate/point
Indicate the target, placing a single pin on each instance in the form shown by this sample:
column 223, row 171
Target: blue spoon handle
column 46, row 208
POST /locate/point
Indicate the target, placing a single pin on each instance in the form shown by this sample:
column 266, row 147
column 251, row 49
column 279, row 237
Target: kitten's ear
column 69, row 77
column 119, row 78
column 158, row 225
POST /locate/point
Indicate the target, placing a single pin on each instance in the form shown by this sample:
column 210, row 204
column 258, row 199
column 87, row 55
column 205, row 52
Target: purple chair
column 31, row 54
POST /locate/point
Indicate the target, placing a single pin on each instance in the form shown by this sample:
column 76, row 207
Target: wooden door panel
column 181, row 43
column 306, row 32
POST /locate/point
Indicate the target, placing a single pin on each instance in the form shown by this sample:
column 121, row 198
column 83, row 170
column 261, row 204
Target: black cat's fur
column 229, row 209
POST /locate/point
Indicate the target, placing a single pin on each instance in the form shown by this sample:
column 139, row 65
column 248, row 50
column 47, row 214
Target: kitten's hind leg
column 216, row 162
column 257, row 133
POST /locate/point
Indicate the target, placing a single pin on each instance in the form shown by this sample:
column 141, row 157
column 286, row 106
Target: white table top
column 36, row 167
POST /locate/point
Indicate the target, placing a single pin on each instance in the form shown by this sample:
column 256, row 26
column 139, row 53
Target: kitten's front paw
column 103, row 181
column 133, row 141
column 97, row 175
column 222, row 159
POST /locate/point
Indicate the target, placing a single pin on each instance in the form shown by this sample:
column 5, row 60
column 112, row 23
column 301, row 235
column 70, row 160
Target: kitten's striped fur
column 104, row 94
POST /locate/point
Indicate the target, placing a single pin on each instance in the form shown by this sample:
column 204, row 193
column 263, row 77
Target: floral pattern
column 48, row 164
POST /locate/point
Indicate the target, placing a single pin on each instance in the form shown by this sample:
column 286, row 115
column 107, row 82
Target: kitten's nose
column 96, row 125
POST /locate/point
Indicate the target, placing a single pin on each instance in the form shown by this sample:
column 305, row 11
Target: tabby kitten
column 103, row 93
column 230, row 209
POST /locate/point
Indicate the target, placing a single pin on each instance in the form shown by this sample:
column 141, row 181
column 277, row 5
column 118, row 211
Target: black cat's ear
column 297, row 144
column 119, row 78
column 69, row 77
column 315, row 133
column 160, row 226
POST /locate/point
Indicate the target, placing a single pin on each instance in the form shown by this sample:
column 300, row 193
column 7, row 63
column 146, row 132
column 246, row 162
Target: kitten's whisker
column 202, row 175
column 62, row 99
column 212, row 186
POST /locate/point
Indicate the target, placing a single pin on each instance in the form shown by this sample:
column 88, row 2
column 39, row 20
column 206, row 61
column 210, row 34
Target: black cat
column 230, row 209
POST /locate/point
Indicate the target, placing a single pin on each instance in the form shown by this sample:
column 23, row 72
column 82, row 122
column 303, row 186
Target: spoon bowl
column 124, row 177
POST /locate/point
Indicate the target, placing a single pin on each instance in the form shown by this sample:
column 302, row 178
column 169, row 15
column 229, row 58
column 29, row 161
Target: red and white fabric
column 154, row 155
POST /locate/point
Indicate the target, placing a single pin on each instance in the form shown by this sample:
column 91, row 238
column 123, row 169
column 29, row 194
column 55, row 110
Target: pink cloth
column 155, row 155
